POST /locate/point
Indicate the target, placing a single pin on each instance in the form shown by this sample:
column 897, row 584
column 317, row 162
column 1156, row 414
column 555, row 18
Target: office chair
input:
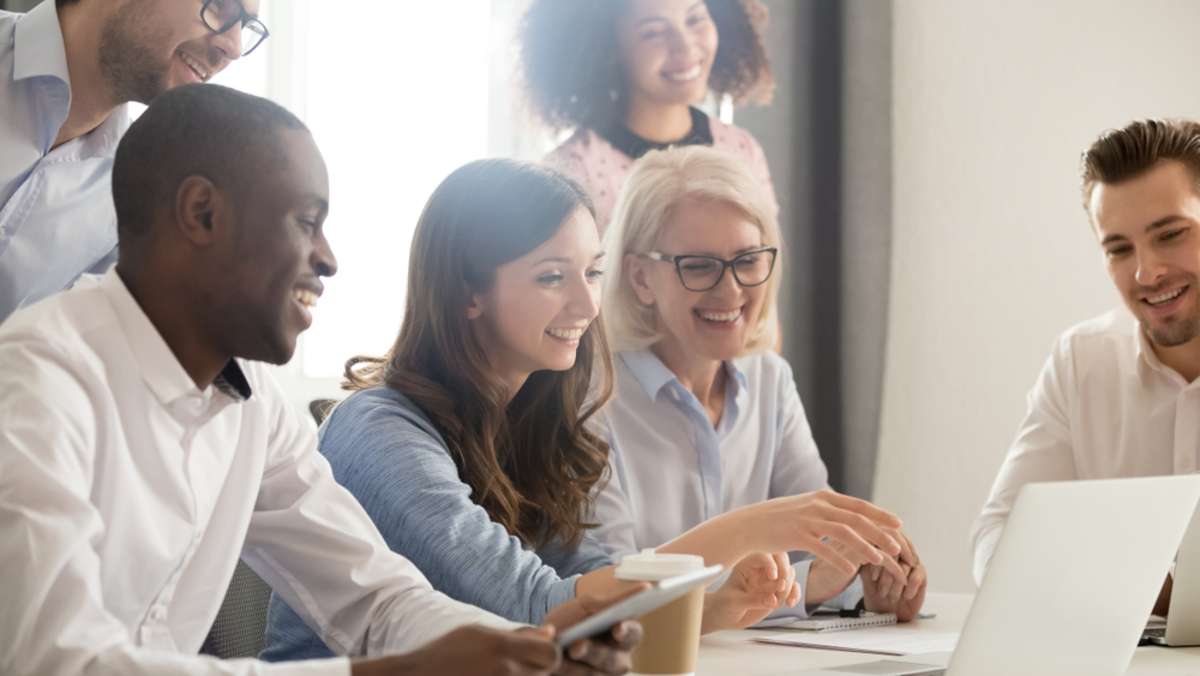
column 238, row 629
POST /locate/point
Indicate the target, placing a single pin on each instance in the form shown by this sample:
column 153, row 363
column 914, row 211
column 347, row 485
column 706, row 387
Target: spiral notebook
column 829, row 622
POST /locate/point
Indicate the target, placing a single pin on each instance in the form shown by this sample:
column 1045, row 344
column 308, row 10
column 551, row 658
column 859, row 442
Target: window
column 397, row 95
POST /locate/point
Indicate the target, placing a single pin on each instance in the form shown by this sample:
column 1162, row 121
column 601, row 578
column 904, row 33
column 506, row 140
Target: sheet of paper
column 897, row 640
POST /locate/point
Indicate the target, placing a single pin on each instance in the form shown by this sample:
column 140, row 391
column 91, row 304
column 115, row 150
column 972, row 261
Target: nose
column 1150, row 268
column 230, row 42
column 680, row 42
column 323, row 261
column 584, row 300
column 728, row 285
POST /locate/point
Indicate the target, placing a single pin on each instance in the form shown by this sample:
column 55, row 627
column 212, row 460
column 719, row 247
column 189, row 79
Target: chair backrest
column 319, row 408
column 238, row 629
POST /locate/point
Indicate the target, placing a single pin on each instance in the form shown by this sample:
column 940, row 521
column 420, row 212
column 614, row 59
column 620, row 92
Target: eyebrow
column 563, row 259
column 661, row 18
column 313, row 198
column 1156, row 225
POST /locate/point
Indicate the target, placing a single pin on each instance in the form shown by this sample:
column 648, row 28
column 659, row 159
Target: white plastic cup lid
column 650, row 566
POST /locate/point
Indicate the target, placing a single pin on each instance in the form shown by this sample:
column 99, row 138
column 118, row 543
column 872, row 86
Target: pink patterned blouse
column 601, row 168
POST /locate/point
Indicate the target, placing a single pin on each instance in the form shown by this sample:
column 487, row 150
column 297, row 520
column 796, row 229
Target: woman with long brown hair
column 469, row 443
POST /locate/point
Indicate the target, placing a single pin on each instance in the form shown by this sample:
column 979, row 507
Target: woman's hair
column 531, row 461
column 659, row 181
column 573, row 76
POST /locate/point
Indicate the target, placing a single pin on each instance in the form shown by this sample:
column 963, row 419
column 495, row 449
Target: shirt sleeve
column 1042, row 451
column 55, row 620
column 393, row 460
column 758, row 164
column 318, row 549
column 610, row 507
column 596, row 168
column 798, row 467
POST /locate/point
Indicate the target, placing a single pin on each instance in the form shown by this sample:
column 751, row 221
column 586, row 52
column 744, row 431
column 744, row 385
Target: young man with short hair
column 1119, row 395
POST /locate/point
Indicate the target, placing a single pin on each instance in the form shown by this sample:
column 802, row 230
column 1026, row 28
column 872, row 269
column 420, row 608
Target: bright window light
column 396, row 97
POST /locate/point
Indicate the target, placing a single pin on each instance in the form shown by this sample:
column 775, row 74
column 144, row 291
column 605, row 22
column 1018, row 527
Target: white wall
column 992, row 256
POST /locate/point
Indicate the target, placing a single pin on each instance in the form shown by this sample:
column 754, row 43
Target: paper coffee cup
column 671, row 634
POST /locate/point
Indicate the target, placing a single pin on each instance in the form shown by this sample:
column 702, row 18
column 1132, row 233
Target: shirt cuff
column 849, row 598
column 799, row 611
column 561, row 592
column 337, row 666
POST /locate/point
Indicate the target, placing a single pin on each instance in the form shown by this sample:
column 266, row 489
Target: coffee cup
column 670, row 634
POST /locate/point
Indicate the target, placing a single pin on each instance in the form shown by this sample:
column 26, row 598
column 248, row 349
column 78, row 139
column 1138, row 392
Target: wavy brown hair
column 569, row 68
column 530, row 462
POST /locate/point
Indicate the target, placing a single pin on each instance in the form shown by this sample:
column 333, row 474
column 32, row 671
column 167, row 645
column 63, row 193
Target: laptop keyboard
column 1155, row 632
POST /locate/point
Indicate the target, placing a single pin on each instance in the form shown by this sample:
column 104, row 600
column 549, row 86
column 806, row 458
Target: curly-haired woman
column 626, row 75
column 469, row 443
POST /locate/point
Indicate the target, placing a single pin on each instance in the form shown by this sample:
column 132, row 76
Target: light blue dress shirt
column 672, row 470
column 57, row 219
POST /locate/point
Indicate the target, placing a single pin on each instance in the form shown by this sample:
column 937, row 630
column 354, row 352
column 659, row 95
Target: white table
column 736, row 653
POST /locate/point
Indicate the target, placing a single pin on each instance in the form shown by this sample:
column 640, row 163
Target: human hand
column 759, row 584
column 473, row 650
column 818, row 521
column 825, row 581
column 606, row 654
column 884, row 592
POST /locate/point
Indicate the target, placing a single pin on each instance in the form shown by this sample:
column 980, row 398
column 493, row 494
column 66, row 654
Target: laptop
column 1182, row 627
column 1071, row 583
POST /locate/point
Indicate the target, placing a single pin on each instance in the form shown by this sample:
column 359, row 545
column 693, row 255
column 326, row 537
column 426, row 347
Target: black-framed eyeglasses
column 701, row 273
column 221, row 15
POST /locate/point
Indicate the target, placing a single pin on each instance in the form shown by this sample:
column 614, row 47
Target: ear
column 636, row 272
column 475, row 307
column 198, row 208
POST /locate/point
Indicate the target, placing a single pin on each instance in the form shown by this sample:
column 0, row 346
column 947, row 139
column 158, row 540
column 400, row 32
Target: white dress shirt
column 57, row 219
column 671, row 470
column 1103, row 407
column 127, row 494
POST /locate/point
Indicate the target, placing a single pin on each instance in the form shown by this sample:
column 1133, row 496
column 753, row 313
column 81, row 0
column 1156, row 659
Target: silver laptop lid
column 1183, row 623
column 1075, row 576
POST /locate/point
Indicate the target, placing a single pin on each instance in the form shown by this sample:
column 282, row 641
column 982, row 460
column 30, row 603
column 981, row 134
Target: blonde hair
column 659, row 181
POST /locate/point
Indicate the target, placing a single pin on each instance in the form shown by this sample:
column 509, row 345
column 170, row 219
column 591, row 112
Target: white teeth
column 305, row 297
column 720, row 316
column 195, row 66
column 566, row 334
column 1169, row 296
column 683, row 76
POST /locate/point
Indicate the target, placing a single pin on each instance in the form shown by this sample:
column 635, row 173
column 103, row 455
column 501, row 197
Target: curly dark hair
column 569, row 68
column 530, row 462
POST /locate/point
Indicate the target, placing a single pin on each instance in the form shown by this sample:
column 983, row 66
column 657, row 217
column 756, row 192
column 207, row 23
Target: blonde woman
column 705, row 417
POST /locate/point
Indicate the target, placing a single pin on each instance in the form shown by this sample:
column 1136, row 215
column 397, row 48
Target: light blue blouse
column 389, row 455
column 672, row 470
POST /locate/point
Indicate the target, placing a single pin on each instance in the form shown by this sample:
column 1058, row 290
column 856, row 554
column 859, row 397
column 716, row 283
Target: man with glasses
column 70, row 67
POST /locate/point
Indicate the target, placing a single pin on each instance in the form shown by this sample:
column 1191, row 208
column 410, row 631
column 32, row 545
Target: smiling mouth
column 566, row 334
column 1164, row 298
column 195, row 66
column 719, row 317
column 684, row 75
column 307, row 299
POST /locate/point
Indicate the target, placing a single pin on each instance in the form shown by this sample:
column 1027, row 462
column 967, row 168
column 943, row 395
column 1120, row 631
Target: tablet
column 658, row 595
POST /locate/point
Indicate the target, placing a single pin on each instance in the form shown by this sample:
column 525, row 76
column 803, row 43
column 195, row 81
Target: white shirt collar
column 159, row 367
column 38, row 48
